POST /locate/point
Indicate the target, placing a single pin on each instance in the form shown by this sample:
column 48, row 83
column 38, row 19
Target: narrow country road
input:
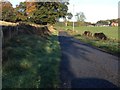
column 83, row 66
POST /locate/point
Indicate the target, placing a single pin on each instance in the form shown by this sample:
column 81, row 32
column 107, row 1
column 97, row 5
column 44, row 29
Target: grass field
column 110, row 32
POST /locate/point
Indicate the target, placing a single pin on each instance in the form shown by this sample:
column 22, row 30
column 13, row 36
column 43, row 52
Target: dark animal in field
column 101, row 36
column 87, row 33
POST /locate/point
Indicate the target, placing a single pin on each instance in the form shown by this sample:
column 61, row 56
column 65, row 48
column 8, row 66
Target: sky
column 94, row 10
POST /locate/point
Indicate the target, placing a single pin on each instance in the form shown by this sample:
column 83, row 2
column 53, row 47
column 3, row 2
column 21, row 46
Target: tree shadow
column 91, row 83
column 31, row 56
column 72, row 50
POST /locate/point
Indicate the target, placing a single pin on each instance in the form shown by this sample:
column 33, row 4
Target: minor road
column 84, row 66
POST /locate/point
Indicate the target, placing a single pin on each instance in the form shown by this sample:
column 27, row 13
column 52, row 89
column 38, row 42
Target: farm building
column 114, row 24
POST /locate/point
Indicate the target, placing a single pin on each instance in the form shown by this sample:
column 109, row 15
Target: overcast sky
column 94, row 10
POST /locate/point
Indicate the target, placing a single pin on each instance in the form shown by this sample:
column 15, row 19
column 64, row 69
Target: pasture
column 110, row 32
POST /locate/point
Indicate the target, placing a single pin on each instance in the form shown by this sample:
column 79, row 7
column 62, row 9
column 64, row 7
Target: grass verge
column 31, row 62
column 110, row 46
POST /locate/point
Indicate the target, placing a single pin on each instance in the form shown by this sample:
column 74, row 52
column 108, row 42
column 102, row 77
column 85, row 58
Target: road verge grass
column 110, row 46
column 31, row 62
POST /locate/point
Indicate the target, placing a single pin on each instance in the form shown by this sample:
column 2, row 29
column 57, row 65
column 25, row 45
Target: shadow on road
column 91, row 83
column 72, row 54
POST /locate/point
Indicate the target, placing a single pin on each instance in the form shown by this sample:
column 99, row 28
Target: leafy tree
column 21, row 12
column 114, row 20
column 103, row 22
column 80, row 16
column 37, row 12
column 68, row 16
column 49, row 11
column 8, row 13
column 30, row 8
column 0, row 11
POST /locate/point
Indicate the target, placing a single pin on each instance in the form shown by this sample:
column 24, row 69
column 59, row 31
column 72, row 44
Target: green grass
column 111, row 45
column 31, row 62
column 107, row 45
column 110, row 32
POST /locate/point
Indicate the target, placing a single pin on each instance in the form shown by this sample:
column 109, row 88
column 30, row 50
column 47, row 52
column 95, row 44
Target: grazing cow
column 87, row 33
column 100, row 36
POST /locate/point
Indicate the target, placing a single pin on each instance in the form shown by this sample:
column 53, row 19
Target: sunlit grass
column 107, row 45
column 32, row 62
column 110, row 32
column 111, row 45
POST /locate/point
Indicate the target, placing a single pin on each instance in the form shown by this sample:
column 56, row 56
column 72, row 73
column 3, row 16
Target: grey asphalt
column 84, row 66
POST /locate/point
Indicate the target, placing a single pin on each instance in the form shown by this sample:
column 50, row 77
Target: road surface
column 84, row 66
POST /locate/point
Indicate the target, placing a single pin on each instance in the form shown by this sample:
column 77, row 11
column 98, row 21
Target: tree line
column 35, row 12
column 107, row 22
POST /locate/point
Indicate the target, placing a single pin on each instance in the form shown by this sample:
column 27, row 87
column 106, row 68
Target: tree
column 38, row 12
column 30, row 8
column 80, row 16
column 8, row 13
column 0, row 11
column 103, row 22
column 68, row 16
column 49, row 11
column 20, row 11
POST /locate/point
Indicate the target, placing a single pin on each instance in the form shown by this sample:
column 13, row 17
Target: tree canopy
column 8, row 13
column 49, row 11
column 20, row 11
column 37, row 12
column 69, row 15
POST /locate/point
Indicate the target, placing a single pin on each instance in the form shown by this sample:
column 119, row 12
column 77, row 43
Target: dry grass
column 8, row 23
column 4, row 23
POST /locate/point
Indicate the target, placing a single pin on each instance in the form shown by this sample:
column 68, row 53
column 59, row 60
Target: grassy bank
column 31, row 62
